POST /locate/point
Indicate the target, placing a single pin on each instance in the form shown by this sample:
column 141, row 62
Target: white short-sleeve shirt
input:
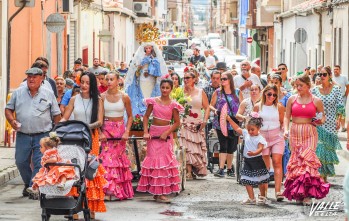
column 239, row 81
column 251, row 143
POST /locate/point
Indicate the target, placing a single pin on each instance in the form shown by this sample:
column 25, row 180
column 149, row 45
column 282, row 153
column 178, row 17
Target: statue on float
column 146, row 69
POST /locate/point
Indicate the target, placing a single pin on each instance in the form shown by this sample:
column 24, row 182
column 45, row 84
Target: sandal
column 262, row 200
column 249, row 202
column 279, row 197
column 163, row 200
column 75, row 217
column 189, row 177
column 93, row 215
column 299, row 202
column 307, row 202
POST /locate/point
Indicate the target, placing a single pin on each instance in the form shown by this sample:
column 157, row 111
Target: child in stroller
column 54, row 175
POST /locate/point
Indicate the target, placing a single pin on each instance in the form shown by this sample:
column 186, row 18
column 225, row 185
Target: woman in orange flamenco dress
column 88, row 108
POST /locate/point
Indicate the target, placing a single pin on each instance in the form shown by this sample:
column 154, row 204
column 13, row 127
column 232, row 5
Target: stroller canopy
column 74, row 132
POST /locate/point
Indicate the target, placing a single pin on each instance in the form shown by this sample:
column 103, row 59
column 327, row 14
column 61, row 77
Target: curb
column 8, row 174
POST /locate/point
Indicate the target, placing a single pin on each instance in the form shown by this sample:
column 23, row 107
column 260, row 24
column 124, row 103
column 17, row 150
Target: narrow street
column 206, row 199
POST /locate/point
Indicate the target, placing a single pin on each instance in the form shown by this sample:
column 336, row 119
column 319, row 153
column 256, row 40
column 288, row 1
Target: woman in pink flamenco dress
column 159, row 173
column 113, row 155
column 303, row 180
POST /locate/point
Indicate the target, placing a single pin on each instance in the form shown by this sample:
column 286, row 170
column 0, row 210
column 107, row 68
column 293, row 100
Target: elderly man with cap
column 45, row 80
column 36, row 107
column 246, row 79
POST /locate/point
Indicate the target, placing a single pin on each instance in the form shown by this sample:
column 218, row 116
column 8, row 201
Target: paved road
column 209, row 199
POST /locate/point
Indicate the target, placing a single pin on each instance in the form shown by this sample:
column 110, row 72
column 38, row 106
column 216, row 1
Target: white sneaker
column 31, row 190
column 249, row 202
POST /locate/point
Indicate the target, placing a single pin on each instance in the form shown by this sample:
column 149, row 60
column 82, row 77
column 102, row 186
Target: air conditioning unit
column 142, row 8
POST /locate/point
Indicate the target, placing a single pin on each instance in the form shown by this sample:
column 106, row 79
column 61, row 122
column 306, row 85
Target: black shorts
column 227, row 144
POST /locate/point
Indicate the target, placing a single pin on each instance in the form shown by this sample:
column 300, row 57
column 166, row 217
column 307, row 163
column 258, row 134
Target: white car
column 215, row 43
column 222, row 53
column 234, row 59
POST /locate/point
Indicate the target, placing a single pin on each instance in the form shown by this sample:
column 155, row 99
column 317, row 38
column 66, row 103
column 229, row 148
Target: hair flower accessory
column 53, row 135
column 254, row 115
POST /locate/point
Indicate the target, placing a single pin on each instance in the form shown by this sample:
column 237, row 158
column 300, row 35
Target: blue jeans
column 27, row 150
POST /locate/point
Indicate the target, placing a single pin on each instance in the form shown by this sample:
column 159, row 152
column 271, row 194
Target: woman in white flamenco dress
column 144, row 76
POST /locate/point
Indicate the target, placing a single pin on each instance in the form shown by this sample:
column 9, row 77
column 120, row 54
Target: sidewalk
column 8, row 169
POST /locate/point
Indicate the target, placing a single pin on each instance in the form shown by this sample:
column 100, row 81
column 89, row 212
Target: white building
column 100, row 32
column 322, row 35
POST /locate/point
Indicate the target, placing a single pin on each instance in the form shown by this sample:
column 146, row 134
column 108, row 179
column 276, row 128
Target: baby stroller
column 75, row 147
column 239, row 159
column 212, row 144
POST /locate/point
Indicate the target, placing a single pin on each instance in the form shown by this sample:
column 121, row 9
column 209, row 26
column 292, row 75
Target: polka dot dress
column 328, row 138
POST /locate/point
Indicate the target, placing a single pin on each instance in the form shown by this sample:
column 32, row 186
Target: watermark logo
column 324, row 209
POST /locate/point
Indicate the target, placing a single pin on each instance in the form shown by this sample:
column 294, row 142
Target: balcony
column 265, row 12
column 271, row 6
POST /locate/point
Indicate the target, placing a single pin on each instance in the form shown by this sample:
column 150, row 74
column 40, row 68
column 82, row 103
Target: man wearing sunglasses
column 246, row 79
column 285, row 84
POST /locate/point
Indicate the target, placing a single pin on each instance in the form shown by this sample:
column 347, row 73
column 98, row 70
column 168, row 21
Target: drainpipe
column 314, row 11
column 282, row 59
column 9, row 44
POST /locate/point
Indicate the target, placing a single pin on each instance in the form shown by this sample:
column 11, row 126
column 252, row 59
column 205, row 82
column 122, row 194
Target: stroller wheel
column 45, row 217
column 87, row 215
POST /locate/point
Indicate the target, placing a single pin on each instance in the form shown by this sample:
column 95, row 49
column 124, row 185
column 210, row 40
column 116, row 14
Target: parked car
column 222, row 53
column 211, row 36
column 215, row 43
column 234, row 59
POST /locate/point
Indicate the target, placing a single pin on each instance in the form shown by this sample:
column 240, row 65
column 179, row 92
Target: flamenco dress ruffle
column 159, row 173
column 116, row 163
column 303, row 178
column 95, row 194
column 195, row 146
column 54, row 174
column 326, row 151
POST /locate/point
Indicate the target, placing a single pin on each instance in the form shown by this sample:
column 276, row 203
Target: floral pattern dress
column 328, row 135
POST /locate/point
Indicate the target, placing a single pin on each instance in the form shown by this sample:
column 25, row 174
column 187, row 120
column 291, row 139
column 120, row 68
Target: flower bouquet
column 178, row 95
column 137, row 124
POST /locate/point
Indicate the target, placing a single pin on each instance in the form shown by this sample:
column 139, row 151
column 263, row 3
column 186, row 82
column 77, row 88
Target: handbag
column 232, row 116
column 91, row 170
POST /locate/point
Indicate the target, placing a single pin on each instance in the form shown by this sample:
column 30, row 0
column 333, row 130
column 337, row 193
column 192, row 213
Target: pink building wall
column 29, row 39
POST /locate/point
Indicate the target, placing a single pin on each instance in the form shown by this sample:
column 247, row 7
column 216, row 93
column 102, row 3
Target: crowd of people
column 273, row 115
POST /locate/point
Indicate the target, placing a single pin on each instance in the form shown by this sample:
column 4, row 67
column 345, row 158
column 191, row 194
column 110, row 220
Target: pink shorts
column 275, row 140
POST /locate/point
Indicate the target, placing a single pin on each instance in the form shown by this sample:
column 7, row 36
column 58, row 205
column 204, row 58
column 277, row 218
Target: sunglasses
column 187, row 78
column 322, row 74
column 59, row 83
column 243, row 64
column 271, row 94
column 281, row 69
column 224, row 79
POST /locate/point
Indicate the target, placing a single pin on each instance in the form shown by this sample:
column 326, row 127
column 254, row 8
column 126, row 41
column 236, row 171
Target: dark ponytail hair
column 256, row 121
column 94, row 94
